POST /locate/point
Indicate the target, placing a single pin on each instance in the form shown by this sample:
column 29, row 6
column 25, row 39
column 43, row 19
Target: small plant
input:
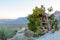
column 6, row 33
column 2, row 35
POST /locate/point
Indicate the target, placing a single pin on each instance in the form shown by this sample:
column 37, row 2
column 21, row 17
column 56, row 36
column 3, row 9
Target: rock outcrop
column 26, row 35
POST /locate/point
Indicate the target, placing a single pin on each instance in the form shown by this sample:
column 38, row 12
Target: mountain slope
column 57, row 15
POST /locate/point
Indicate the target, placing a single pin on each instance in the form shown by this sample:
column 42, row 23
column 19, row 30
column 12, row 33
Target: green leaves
column 51, row 17
column 53, row 22
column 35, row 20
column 50, row 9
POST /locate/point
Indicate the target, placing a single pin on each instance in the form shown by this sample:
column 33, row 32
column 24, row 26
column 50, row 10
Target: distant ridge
column 57, row 13
column 20, row 20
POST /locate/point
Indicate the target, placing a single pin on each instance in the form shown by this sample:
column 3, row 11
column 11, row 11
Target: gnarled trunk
column 48, row 24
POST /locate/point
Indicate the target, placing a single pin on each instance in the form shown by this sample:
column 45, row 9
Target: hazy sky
column 11, row 9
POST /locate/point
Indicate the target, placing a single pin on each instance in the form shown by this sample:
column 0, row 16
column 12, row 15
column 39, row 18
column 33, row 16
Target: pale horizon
column 12, row 9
